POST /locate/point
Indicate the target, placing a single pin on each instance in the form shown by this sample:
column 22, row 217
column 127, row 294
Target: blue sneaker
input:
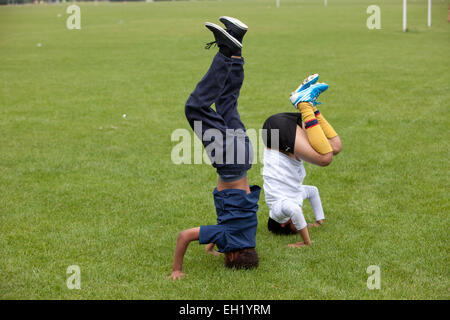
column 307, row 82
column 309, row 94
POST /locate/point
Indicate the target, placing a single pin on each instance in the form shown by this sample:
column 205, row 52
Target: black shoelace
column 210, row 44
column 214, row 43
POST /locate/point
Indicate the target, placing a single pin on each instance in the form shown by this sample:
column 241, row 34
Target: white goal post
column 405, row 28
column 429, row 13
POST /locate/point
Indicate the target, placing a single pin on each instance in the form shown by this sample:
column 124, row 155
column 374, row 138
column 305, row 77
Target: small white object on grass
column 124, row 115
column 39, row 45
column 59, row 15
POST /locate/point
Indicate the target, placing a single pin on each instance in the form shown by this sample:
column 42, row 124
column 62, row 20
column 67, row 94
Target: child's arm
column 296, row 223
column 305, row 236
column 210, row 249
column 184, row 238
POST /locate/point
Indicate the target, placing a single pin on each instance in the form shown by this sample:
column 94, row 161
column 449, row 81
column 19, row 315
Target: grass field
column 81, row 185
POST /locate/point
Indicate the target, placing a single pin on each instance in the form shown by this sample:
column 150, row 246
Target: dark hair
column 276, row 228
column 245, row 259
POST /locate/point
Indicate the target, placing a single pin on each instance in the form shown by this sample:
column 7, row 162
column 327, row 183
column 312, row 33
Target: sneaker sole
column 305, row 81
column 226, row 34
column 234, row 21
column 310, row 78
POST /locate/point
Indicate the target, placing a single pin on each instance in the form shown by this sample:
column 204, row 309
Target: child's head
column 280, row 228
column 242, row 259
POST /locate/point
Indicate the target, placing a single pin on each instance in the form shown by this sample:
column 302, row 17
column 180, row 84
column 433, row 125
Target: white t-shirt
column 283, row 177
column 284, row 189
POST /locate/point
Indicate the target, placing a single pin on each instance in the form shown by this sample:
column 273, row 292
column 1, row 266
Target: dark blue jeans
column 221, row 131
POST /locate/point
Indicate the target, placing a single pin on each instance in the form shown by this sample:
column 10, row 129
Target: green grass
column 80, row 185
